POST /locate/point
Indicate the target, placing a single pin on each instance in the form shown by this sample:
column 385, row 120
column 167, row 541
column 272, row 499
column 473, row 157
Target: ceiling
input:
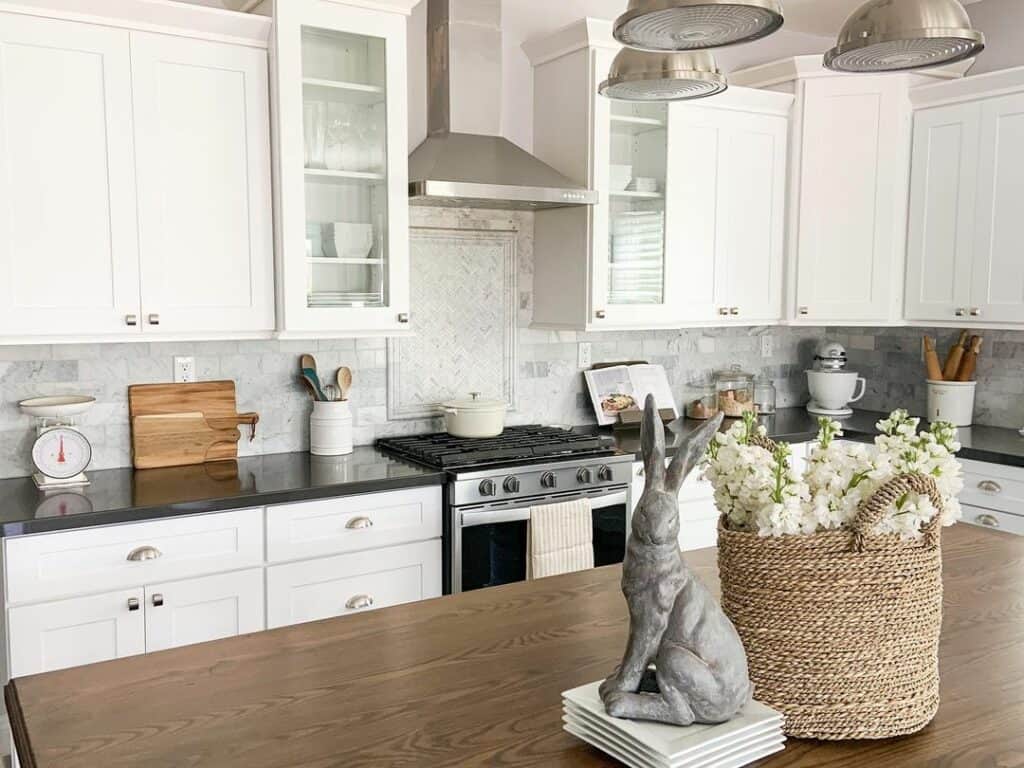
column 823, row 17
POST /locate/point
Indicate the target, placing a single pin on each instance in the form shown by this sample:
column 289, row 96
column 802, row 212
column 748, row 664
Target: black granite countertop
column 128, row 495
column 796, row 425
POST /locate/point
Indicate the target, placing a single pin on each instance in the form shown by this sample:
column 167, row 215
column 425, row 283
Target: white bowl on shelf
column 619, row 177
column 353, row 240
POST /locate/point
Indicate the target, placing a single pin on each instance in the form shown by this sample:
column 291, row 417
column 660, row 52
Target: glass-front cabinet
column 343, row 179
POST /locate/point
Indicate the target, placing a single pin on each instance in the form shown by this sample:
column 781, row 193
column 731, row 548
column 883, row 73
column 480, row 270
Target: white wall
column 1002, row 21
column 525, row 19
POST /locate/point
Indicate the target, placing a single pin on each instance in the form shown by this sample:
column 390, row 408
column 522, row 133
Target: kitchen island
column 476, row 679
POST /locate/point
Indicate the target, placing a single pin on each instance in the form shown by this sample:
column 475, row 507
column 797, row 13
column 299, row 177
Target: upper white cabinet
column 964, row 259
column 133, row 159
column 847, row 206
column 202, row 112
column 69, row 255
column 342, row 175
column 690, row 223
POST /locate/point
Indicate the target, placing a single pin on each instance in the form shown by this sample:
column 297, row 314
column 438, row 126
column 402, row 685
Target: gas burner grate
column 516, row 444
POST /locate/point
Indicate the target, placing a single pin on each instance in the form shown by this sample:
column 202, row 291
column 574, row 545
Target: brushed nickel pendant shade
column 895, row 35
column 691, row 25
column 644, row 76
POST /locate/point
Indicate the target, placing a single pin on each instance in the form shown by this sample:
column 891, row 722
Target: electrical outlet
column 767, row 345
column 184, row 370
column 585, row 358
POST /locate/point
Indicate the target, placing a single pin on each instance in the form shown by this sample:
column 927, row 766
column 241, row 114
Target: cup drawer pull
column 358, row 602
column 359, row 523
column 990, row 486
column 144, row 553
column 991, row 521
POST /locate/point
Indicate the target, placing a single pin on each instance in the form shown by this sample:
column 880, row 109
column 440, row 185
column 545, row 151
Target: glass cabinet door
column 636, row 201
column 345, row 129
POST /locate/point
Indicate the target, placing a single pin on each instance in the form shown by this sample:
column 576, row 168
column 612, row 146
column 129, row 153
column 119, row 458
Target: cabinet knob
column 133, row 603
column 990, row 486
column 131, row 319
column 359, row 523
column 975, row 312
column 723, row 310
column 600, row 314
column 158, row 600
column 804, row 310
column 989, row 521
column 960, row 312
column 403, row 317
column 358, row 602
column 144, row 553
column 154, row 319
column 734, row 310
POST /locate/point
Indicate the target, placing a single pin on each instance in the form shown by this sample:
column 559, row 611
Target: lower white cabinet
column 81, row 630
column 197, row 610
column 338, row 586
column 698, row 515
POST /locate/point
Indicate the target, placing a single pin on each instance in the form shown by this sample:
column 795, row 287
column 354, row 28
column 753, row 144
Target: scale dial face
column 61, row 453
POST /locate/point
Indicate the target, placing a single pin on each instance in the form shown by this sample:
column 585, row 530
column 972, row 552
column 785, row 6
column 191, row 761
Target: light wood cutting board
column 182, row 424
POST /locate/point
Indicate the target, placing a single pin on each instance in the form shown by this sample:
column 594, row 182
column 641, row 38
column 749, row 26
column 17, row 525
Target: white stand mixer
column 832, row 387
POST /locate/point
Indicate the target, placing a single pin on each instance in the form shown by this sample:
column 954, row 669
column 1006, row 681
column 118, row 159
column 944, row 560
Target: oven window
column 496, row 554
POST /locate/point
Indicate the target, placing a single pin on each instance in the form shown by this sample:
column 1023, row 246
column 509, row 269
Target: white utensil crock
column 474, row 418
column 951, row 401
column 330, row 428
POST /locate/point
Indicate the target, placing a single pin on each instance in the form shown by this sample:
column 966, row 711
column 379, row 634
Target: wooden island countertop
column 476, row 680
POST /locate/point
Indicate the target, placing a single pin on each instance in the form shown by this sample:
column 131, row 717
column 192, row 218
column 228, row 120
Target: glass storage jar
column 701, row 399
column 764, row 396
column 735, row 391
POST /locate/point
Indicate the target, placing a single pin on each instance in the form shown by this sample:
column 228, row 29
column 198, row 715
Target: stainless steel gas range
column 493, row 483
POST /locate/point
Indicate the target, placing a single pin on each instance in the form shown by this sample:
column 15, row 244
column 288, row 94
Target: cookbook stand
column 631, row 419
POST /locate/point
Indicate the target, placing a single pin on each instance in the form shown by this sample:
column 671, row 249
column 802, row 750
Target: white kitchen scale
column 60, row 452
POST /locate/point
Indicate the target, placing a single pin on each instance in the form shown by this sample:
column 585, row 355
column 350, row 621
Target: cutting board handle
column 226, row 422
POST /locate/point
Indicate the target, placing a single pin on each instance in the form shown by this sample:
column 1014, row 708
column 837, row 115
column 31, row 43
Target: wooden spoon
column 307, row 364
column 344, row 379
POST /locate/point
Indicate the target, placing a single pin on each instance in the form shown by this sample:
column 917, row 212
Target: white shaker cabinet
column 81, row 630
column 208, row 608
column 202, row 145
column 341, row 164
column 964, row 258
column 69, row 258
column 689, row 225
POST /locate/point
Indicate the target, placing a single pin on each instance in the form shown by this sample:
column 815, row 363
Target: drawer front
column 353, row 523
column 353, row 583
column 695, row 487
column 51, row 565
column 993, row 486
column 994, row 519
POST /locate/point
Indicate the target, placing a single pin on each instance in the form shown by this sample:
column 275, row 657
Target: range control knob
column 549, row 480
column 511, row 484
column 488, row 488
column 585, row 476
column 604, row 474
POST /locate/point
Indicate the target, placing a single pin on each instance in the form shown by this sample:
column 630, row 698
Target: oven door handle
column 518, row 514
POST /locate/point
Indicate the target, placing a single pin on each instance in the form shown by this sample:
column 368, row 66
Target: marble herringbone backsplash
column 548, row 386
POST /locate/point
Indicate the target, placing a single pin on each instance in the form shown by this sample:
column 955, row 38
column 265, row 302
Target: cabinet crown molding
column 811, row 66
column 585, row 33
column 159, row 16
column 393, row 6
column 990, row 84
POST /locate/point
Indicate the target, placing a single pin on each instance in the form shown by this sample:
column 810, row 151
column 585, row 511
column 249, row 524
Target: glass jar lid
column 733, row 376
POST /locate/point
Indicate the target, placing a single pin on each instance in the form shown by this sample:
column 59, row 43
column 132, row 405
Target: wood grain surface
column 476, row 680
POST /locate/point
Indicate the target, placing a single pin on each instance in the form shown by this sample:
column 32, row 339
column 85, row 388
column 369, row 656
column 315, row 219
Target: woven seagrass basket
column 842, row 627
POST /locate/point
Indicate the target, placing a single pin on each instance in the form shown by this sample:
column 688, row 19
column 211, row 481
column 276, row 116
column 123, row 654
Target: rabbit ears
column 688, row 454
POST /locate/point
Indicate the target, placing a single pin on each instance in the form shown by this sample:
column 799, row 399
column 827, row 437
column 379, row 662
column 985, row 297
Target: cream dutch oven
column 474, row 417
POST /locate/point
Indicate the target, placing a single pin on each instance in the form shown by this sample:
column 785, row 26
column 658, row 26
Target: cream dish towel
column 560, row 539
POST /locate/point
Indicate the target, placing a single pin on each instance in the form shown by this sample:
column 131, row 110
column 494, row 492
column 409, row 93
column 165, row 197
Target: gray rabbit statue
column 684, row 662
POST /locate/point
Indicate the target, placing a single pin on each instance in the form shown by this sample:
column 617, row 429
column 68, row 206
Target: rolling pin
column 970, row 361
column 931, row 360
column 953, row 359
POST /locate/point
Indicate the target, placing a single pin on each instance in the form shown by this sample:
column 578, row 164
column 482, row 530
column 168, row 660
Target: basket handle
column 872, row 510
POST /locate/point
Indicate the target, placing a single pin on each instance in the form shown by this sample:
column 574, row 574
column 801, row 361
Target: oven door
column 489, row 541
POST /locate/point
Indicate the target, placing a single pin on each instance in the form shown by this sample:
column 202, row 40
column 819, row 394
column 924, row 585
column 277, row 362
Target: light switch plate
column 585, row 357
column 767, row 345
column 184, row 370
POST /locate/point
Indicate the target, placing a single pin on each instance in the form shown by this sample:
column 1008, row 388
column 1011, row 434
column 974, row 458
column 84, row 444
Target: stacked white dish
column 644, row 184
column 344, row 299
column 754, row 733
column 637, row 257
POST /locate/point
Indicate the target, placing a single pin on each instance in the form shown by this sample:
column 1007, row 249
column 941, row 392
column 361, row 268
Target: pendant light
column 642, row 76
column 894, row 35
column 690, row 25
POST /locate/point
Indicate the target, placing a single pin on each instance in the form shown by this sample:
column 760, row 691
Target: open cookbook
column 624, row 388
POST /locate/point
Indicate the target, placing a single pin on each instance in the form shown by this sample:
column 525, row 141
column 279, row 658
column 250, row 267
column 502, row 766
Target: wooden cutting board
column 182, row 424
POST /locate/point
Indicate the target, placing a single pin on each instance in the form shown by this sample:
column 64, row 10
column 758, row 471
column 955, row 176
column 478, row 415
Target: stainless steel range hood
column 465, row 162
